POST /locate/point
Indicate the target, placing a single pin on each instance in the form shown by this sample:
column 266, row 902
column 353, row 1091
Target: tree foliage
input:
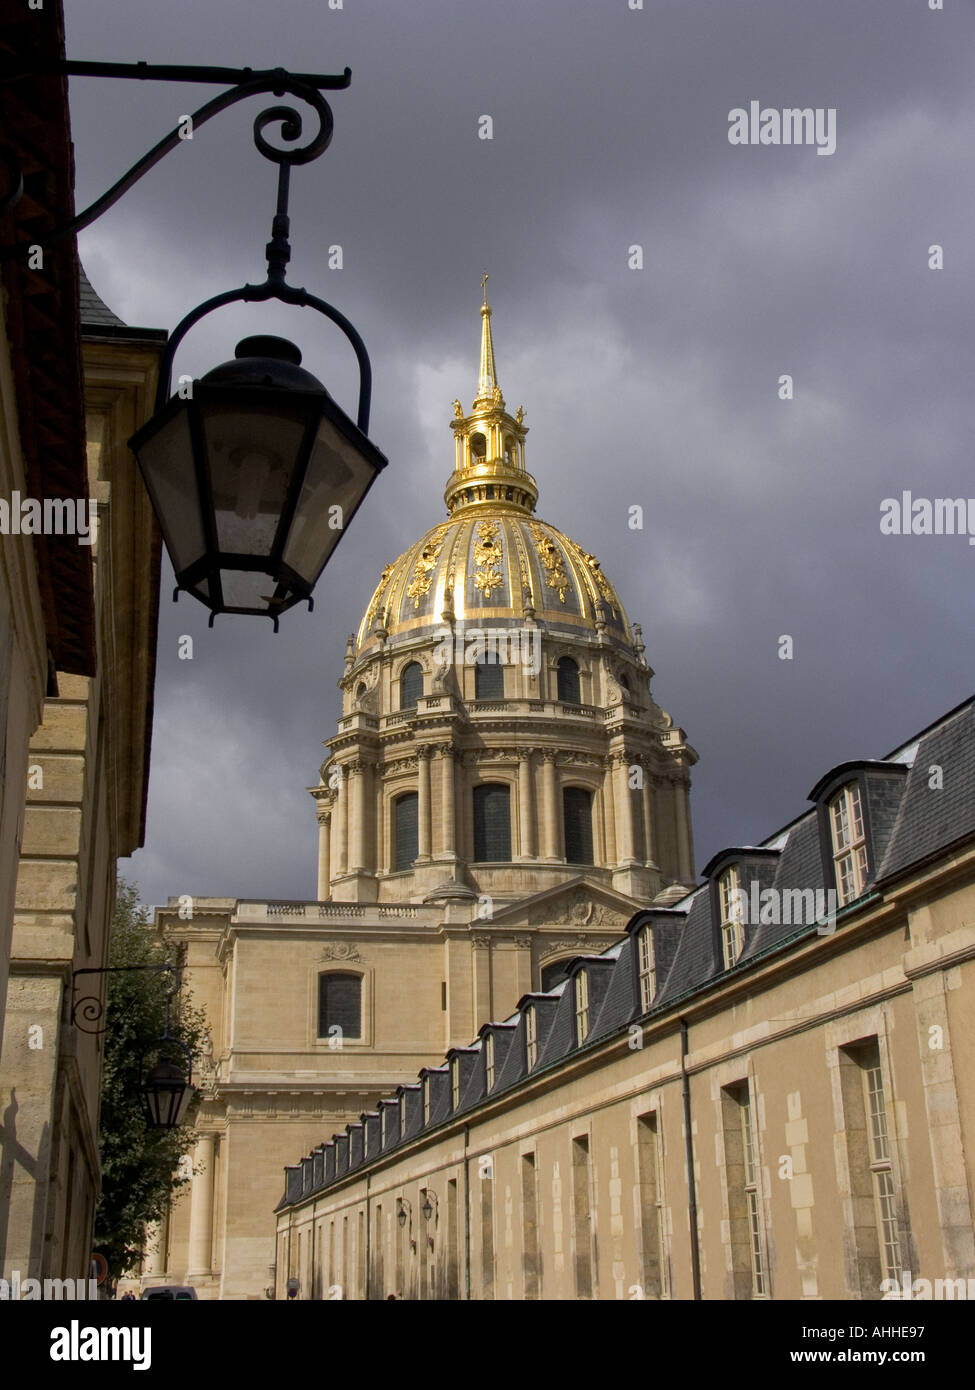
column 140, row 1166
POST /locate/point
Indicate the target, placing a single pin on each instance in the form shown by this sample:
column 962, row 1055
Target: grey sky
column 656, row 387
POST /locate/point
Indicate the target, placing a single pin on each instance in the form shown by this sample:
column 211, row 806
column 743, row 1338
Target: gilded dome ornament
column 487, row 557
column 425, row 566
column 555, row 575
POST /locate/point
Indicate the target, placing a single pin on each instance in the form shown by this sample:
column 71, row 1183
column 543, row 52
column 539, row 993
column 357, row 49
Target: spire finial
column 487, row 381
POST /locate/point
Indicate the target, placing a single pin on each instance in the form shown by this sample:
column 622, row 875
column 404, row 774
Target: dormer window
column 849, row 843
column 489, row 1061
column 426, row 1100
column 455, row 1082
column 402, row 1116
column 531, row 1037
column 384, row 1126
column 582, row 1007
column 730, row 910
column 647, row 968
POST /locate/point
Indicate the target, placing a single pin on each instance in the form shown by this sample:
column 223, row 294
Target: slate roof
column 98, row 320
column 909, row 819
column 95, row 313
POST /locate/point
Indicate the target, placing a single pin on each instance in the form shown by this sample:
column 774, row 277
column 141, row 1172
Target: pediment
column 577, row 904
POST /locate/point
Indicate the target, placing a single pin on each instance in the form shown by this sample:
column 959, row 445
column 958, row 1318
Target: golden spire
column 487, row 381
column 489, row 467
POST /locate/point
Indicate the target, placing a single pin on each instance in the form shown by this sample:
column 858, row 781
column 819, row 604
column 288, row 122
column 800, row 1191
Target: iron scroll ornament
column 90, row 1009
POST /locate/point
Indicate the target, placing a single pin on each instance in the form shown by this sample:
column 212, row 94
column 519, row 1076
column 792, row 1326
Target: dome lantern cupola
column 489, row 466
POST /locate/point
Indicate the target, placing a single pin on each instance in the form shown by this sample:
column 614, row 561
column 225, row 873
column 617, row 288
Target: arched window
column 577, row 820
column 360, row 690
column 410, row 685
column 554, row 973
column 339, row 1004
column 568, row 673
column 492, row 822
column 489, row 680
column 406, row 840
column 478, row 446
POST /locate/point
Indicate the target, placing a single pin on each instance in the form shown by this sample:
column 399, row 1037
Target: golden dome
column 493, row 565
column 492, row 561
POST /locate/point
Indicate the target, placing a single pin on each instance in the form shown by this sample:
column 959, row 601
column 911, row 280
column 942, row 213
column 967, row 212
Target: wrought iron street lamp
column 254, row 471
column 166, row 1090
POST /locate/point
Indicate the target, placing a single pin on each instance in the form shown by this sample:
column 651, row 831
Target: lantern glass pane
column 166, row 461
column 338, row 476
column 246, row 589
column 251, row 456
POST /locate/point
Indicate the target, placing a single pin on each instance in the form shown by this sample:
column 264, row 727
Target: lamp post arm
column 306, row 87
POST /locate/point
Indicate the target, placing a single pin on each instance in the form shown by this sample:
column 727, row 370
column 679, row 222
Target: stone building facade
column 759, row 1092
column 502, row 792
column 77, row 654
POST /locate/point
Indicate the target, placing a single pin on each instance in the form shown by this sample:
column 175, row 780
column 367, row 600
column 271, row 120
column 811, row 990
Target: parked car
column 177, row 1291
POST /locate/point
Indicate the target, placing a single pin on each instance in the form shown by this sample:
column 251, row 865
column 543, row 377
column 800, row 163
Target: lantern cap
column 264, row 360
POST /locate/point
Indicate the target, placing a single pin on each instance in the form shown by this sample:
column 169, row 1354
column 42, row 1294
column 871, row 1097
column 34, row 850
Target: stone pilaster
column 551, row 811
column 526, row 804
column 324, row 855
column 201, row 1208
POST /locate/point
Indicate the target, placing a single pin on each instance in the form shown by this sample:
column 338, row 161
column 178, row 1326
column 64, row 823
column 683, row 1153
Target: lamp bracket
column 89, row 1009
column 246, row 83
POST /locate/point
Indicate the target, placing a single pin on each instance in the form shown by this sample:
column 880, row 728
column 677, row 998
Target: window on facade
column 577, row 820
column 880, row 1162
column 489, row 1061
column 492, row 823
column 454, row 1082
column 568, row 681
column 849, row 843
column 339, row 1005
column 647, row 968
column 406, row 843
column 742, row 1173
column 489, row 680
column 410, row 685
column 752, row 1196
column 730, row 911
column 582, row 1006
column 531, row 1036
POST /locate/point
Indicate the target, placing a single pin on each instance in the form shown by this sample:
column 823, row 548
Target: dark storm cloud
column 654, row 387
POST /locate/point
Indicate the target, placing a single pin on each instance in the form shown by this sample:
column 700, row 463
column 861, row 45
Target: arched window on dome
column 406, row 839
column 478, row 447
column 410, row 685
column 492, row 823
column 488, row 680
column 360, row 690
column 339, row 1004
column 568, row 681
column 577, row 820
column 509, row 449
